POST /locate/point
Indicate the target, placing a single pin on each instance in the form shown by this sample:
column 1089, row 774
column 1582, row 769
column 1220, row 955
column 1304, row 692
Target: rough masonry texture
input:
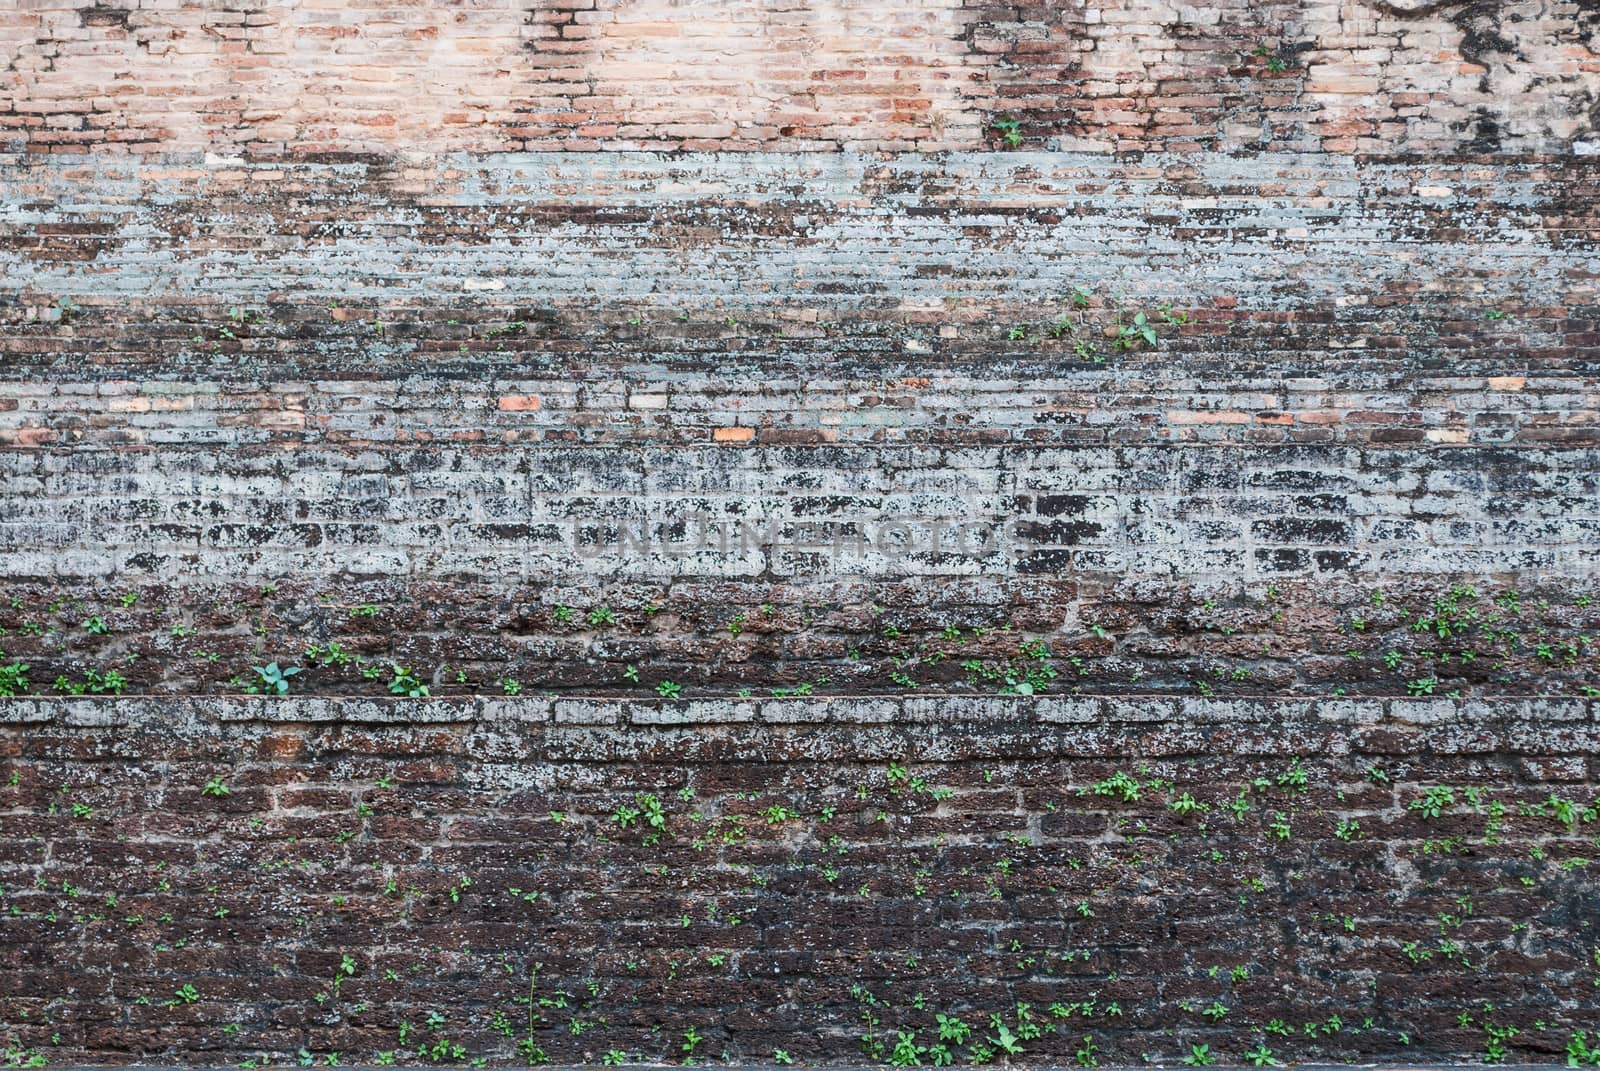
column 823, row 871
column 907, row 532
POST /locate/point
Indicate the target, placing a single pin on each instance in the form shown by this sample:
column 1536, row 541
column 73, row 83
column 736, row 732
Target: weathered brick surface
column 1137, row 512
column 447, row 387
column 575, row 236
column 384, row 877
column 725, row 566
column 377, row 76
column 482, row 349
column 814, row 634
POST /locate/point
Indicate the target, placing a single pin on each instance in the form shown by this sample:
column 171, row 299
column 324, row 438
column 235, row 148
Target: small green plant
column 952, row 1029
column 215, row 787
column 1580, row 1053
column 329, row 654
column 1261, row 1056
column 669, row 690
column 272, row 679
column 1434, row 801
column 13, row 679
column 1185, row 804
column 1141, row 327
column 1136, row 329
column 12, row 1054
column 1010, row 130
column 1275, row 63
column 906, row 1052
column 1422, row 686
column 94, row 683
column 1118, row 784
column 1028, row 672
column 406, row 683
column 691, row 1041
column 650, row 808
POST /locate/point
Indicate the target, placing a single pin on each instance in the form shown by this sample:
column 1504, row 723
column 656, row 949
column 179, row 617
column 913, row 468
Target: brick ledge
column 107, row 712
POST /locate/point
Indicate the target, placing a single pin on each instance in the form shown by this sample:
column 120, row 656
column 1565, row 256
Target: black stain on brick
column 104, row 16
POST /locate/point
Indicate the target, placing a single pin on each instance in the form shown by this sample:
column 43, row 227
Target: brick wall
column 449, row 882
column 1083, row 513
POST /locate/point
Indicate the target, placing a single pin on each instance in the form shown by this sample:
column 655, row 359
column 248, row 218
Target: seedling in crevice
column 1422, row 686
column 13, row 678
column 1275, row 63
column 1579, row 1051
column 1280, row 826
column 1010, row 130
column 406, row 683
column 329, row 654
column 272, row 679
column 1140, row 327
column 1434, row 801
column 94, row 683
column 1261, row 1056
column 1294, row 777
column 1186, row 804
